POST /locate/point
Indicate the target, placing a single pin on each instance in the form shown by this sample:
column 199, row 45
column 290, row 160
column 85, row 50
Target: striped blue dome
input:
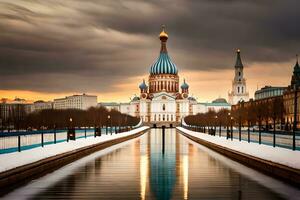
column 163, row 65
column 143, row 86
column 184, row 85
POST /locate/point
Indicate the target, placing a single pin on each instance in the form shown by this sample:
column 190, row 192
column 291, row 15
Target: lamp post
column 227, row 127
column 1, row 125
column 126, row 123
column 109, row 119
column 54, row 132
column 231, row 120
column 295, row 116
column 240, row 120
column 71, row 131
column 216, row 121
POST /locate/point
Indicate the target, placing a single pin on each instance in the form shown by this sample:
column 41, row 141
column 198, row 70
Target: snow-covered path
column 278, row 155
column 13, row 160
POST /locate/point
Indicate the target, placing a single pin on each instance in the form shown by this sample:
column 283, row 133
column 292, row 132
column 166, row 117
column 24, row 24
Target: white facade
column 41, row 105
column 81, row 102
column 15, row 109
column 205, row 107
column 110, row 105
column 163, row 107
column 239, row 91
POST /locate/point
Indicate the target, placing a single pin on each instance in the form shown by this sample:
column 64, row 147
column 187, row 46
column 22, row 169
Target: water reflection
column 144, row 165
column 162, row 164
column 144, row 170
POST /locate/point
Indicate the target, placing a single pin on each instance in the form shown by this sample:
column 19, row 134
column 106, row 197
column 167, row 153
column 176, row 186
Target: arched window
column 164, row 107
column 239, row 73
column 238, row 89
column 242, row 89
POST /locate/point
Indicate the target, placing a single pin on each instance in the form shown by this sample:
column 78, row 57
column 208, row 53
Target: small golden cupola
column 163, row 35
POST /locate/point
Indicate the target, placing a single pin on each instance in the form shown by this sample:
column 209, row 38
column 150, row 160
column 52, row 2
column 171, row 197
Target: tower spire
column 238, row 63
column 163, row 36
column 297, row 63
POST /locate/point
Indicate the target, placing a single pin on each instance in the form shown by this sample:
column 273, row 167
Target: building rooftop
column 15, row 101
column 219, row 100
column 109, row 104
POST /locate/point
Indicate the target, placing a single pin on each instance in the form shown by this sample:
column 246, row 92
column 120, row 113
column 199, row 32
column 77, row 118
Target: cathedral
column 162, row 98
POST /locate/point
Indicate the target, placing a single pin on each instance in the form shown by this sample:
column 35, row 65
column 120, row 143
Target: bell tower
column 239, row 91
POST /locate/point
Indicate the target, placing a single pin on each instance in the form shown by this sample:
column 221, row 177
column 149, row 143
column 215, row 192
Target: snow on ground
column 13, row 160
column 274, row 154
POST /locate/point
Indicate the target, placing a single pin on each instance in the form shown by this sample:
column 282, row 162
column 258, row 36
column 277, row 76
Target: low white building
column 81, row 102
column 41, row 105
column 215, row 105
column 110, row 105
column 15, row 109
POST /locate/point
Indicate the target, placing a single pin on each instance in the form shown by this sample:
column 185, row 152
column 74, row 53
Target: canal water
column 145, row 168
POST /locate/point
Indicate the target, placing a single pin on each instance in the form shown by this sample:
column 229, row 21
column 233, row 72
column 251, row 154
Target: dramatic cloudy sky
column 53, row 48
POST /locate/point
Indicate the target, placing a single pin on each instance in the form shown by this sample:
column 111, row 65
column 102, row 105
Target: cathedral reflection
column 165, row 168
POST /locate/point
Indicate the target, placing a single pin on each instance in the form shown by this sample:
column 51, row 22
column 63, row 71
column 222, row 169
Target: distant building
column 110, row 105
column 239, row 91
column 41, row 105
column 14, row 110
column 269, row 91
column 215, row 105
column 132, row 108
column 289, row 98
column 268, row 95
column 81, row 102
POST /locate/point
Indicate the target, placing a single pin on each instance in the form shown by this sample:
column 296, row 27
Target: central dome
column 163, row 64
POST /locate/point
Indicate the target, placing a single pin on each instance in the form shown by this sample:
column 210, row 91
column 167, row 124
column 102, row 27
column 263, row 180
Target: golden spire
column 163, row 34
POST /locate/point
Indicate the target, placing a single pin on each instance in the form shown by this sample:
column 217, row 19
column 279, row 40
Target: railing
column 279, row 139
column 24, row 140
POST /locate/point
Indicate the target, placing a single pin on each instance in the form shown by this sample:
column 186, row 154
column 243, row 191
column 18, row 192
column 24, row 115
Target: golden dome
column 238, row 50
column 163, row 34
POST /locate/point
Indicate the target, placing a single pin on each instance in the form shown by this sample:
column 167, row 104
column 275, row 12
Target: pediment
column 163, row 96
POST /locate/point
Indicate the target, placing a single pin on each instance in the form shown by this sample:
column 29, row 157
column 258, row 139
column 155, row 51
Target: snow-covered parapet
column 17, row 159
column 278, row 155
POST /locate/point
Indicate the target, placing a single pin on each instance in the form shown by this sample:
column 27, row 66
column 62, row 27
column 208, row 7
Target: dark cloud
column 75, row 46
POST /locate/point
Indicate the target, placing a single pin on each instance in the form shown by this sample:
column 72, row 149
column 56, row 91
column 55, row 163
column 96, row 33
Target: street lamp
column 231, row 120
column 126, row 122
column 227, row 127
column 216, row 121
column 241, row 109
column 1, row 125
column 295, row 115
column 109, row 118
column 71, row 131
